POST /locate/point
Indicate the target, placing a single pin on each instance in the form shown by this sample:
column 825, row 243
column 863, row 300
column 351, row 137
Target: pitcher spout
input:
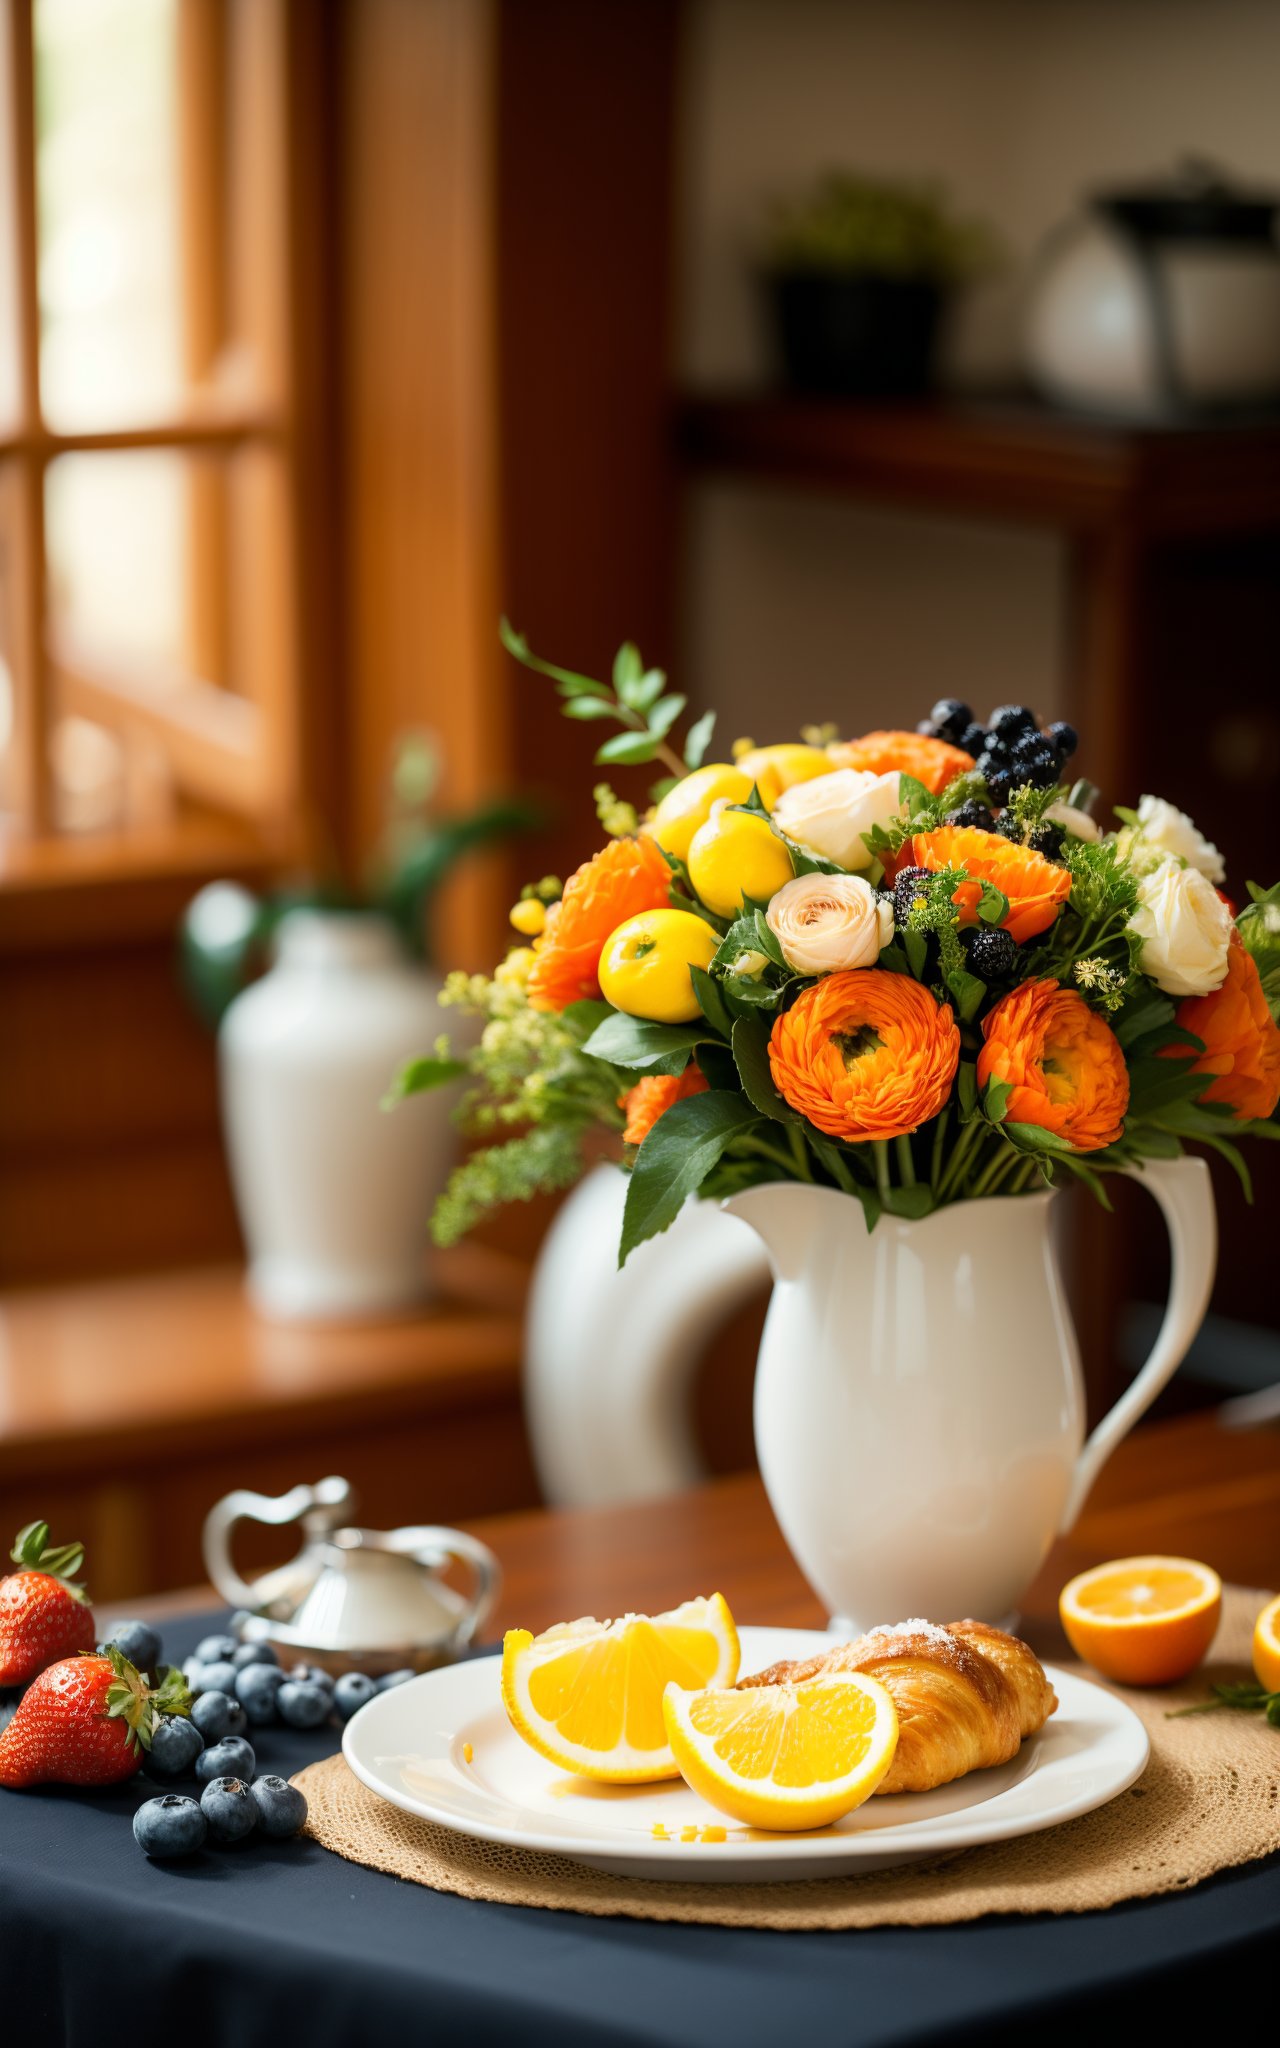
column 797, row 1223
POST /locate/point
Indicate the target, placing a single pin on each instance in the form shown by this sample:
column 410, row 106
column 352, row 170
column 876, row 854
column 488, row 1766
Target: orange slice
column 588, row 1694
column 785, row 1757
column 1142, row 1620
column 1266, row 1646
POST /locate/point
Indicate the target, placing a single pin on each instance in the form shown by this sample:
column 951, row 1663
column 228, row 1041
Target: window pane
column 117, row 540
column 111, row 333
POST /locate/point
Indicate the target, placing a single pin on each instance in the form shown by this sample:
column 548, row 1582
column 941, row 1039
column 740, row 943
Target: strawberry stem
column 32, row 1553
column 131, row 1700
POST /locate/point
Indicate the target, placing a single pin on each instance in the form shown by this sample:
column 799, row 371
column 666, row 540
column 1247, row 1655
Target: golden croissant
column 966, row 1695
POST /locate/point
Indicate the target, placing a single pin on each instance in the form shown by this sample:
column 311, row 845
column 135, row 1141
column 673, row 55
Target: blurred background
column 332, row 329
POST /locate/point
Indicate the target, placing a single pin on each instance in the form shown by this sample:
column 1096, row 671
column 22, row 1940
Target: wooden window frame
column 246, row 764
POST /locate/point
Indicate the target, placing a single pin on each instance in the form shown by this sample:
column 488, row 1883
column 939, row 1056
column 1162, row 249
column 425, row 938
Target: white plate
column 409, row 1746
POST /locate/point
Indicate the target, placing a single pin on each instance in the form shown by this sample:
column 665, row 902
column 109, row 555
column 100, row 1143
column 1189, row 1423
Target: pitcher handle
column 432, row 1546
column 1185, row 1194
column 330, row 1498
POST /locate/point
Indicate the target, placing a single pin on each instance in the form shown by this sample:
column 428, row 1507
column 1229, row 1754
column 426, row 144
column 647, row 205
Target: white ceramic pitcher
column 919, row 1407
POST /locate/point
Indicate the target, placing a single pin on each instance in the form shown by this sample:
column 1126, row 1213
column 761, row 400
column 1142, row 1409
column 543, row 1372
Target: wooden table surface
column 1191, row 1486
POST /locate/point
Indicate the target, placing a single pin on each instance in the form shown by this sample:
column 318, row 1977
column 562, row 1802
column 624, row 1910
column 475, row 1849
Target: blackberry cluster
column 973, row 813
column 911, row 883
column 1010, row 749
column 992, row 954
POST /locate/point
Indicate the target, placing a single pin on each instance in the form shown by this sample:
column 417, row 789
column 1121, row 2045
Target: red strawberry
column 86, row 1721
column 43, row 1616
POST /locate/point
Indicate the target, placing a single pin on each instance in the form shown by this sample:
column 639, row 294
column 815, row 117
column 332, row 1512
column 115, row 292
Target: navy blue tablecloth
column 283, row 1943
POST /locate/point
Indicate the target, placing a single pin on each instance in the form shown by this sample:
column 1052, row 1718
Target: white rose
column 826, row 922
column 1076, row 823
column 1167, row 830
column 1185, row 928
column 830, row 813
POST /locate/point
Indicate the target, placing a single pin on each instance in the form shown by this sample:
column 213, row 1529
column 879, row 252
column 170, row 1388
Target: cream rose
column 1185, row 928
column 1167, row 830
column 830, row 813
column 1075, row 822
column 826, row 922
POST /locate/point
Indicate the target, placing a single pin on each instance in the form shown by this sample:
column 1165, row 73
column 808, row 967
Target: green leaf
column 699, row 739
column 714, row 1008
column 716, row 1064
column 591, row 707
column 643, row 1047
column 967, row 1090
column 664, row 715
column 993, row 904
column 995, row 1100
column 629, row 749
column 628, row 668
column 916, row 947
column 1034, row 1138
column 766, row 939
column 914, row 795
column 586, row 1014
column 968, row 992
column 571, row 684
column 909, row 1202
column 676, row 1157
column 1137, row 1019
column 29, row 1543
column 420, row 1075
column 751, row 1056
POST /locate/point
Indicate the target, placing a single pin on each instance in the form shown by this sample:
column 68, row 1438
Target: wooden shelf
column 999, row 459
column 128, row 1406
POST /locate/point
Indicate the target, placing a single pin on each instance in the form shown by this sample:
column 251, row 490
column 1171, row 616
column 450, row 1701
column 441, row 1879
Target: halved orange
column 1266, row 1646
column 1142, row 1620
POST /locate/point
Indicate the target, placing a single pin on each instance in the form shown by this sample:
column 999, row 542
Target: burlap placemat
column 1210, row 1798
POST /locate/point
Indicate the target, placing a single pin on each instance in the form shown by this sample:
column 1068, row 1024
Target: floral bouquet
column 910, row 966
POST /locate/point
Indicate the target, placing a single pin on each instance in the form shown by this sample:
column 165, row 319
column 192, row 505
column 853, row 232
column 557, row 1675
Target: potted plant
column 857, row 272
column 330, row 1191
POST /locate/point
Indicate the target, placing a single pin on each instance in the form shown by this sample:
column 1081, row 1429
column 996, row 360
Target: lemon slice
column 785, row 1757
column 1142, row 1620
column 588, row 1694
column 1266, row 1646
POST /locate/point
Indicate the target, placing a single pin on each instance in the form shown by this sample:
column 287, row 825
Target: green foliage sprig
column 1245, row 1697
column 848, row 224
column 637, row 699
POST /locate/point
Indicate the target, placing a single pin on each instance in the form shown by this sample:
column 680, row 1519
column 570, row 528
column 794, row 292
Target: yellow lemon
column 589, row 1694
column 1266, row 1646
column 737, row 854
column 529, row 916
column 784, row 1756
column 644, row 968
column 688, row 805
column 774, row 769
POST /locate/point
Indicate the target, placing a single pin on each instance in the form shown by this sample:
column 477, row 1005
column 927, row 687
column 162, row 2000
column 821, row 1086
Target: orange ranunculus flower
column 653, row 1096
column 865, row 1054
column 1062, row 1061
column 624, row 878
column 933, row 762
column 1036, row 889
column 1241, row 1039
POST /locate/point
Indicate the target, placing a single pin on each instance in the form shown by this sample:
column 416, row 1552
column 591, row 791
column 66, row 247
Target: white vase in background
column 333, row 1191
column 919, row 1408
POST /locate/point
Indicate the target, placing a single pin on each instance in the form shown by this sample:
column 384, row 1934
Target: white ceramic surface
column 625, row 1433
column 1089, row 328
column 407, row 1745
column 334, row 1192
column 919, row 1407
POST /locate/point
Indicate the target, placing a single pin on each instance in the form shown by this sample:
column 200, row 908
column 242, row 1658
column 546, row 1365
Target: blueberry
column 973, row 739
column 217, row 1715
column 254, row 1653
column 1008, row 720
column 257, row 1688
column 231, row 1758
column 193, row 1672
column 992, row 955
column 1001, row 783
column 352, row 1692
column 950, row 718
column 139, row 1642
column 229, row 1808
column 215, row 1678
column 239, row 1616
column 973, row 814
column 176, row 1742
column 313, row 1674
column 303, row 1704
column 391, row 1678
column 1042, row 767
column 172, row 1825
column 1063, row 737
column 281, row 1807
column 216, row 1650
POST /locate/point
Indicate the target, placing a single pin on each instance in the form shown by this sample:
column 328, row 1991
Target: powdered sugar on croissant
column 967, row 1695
